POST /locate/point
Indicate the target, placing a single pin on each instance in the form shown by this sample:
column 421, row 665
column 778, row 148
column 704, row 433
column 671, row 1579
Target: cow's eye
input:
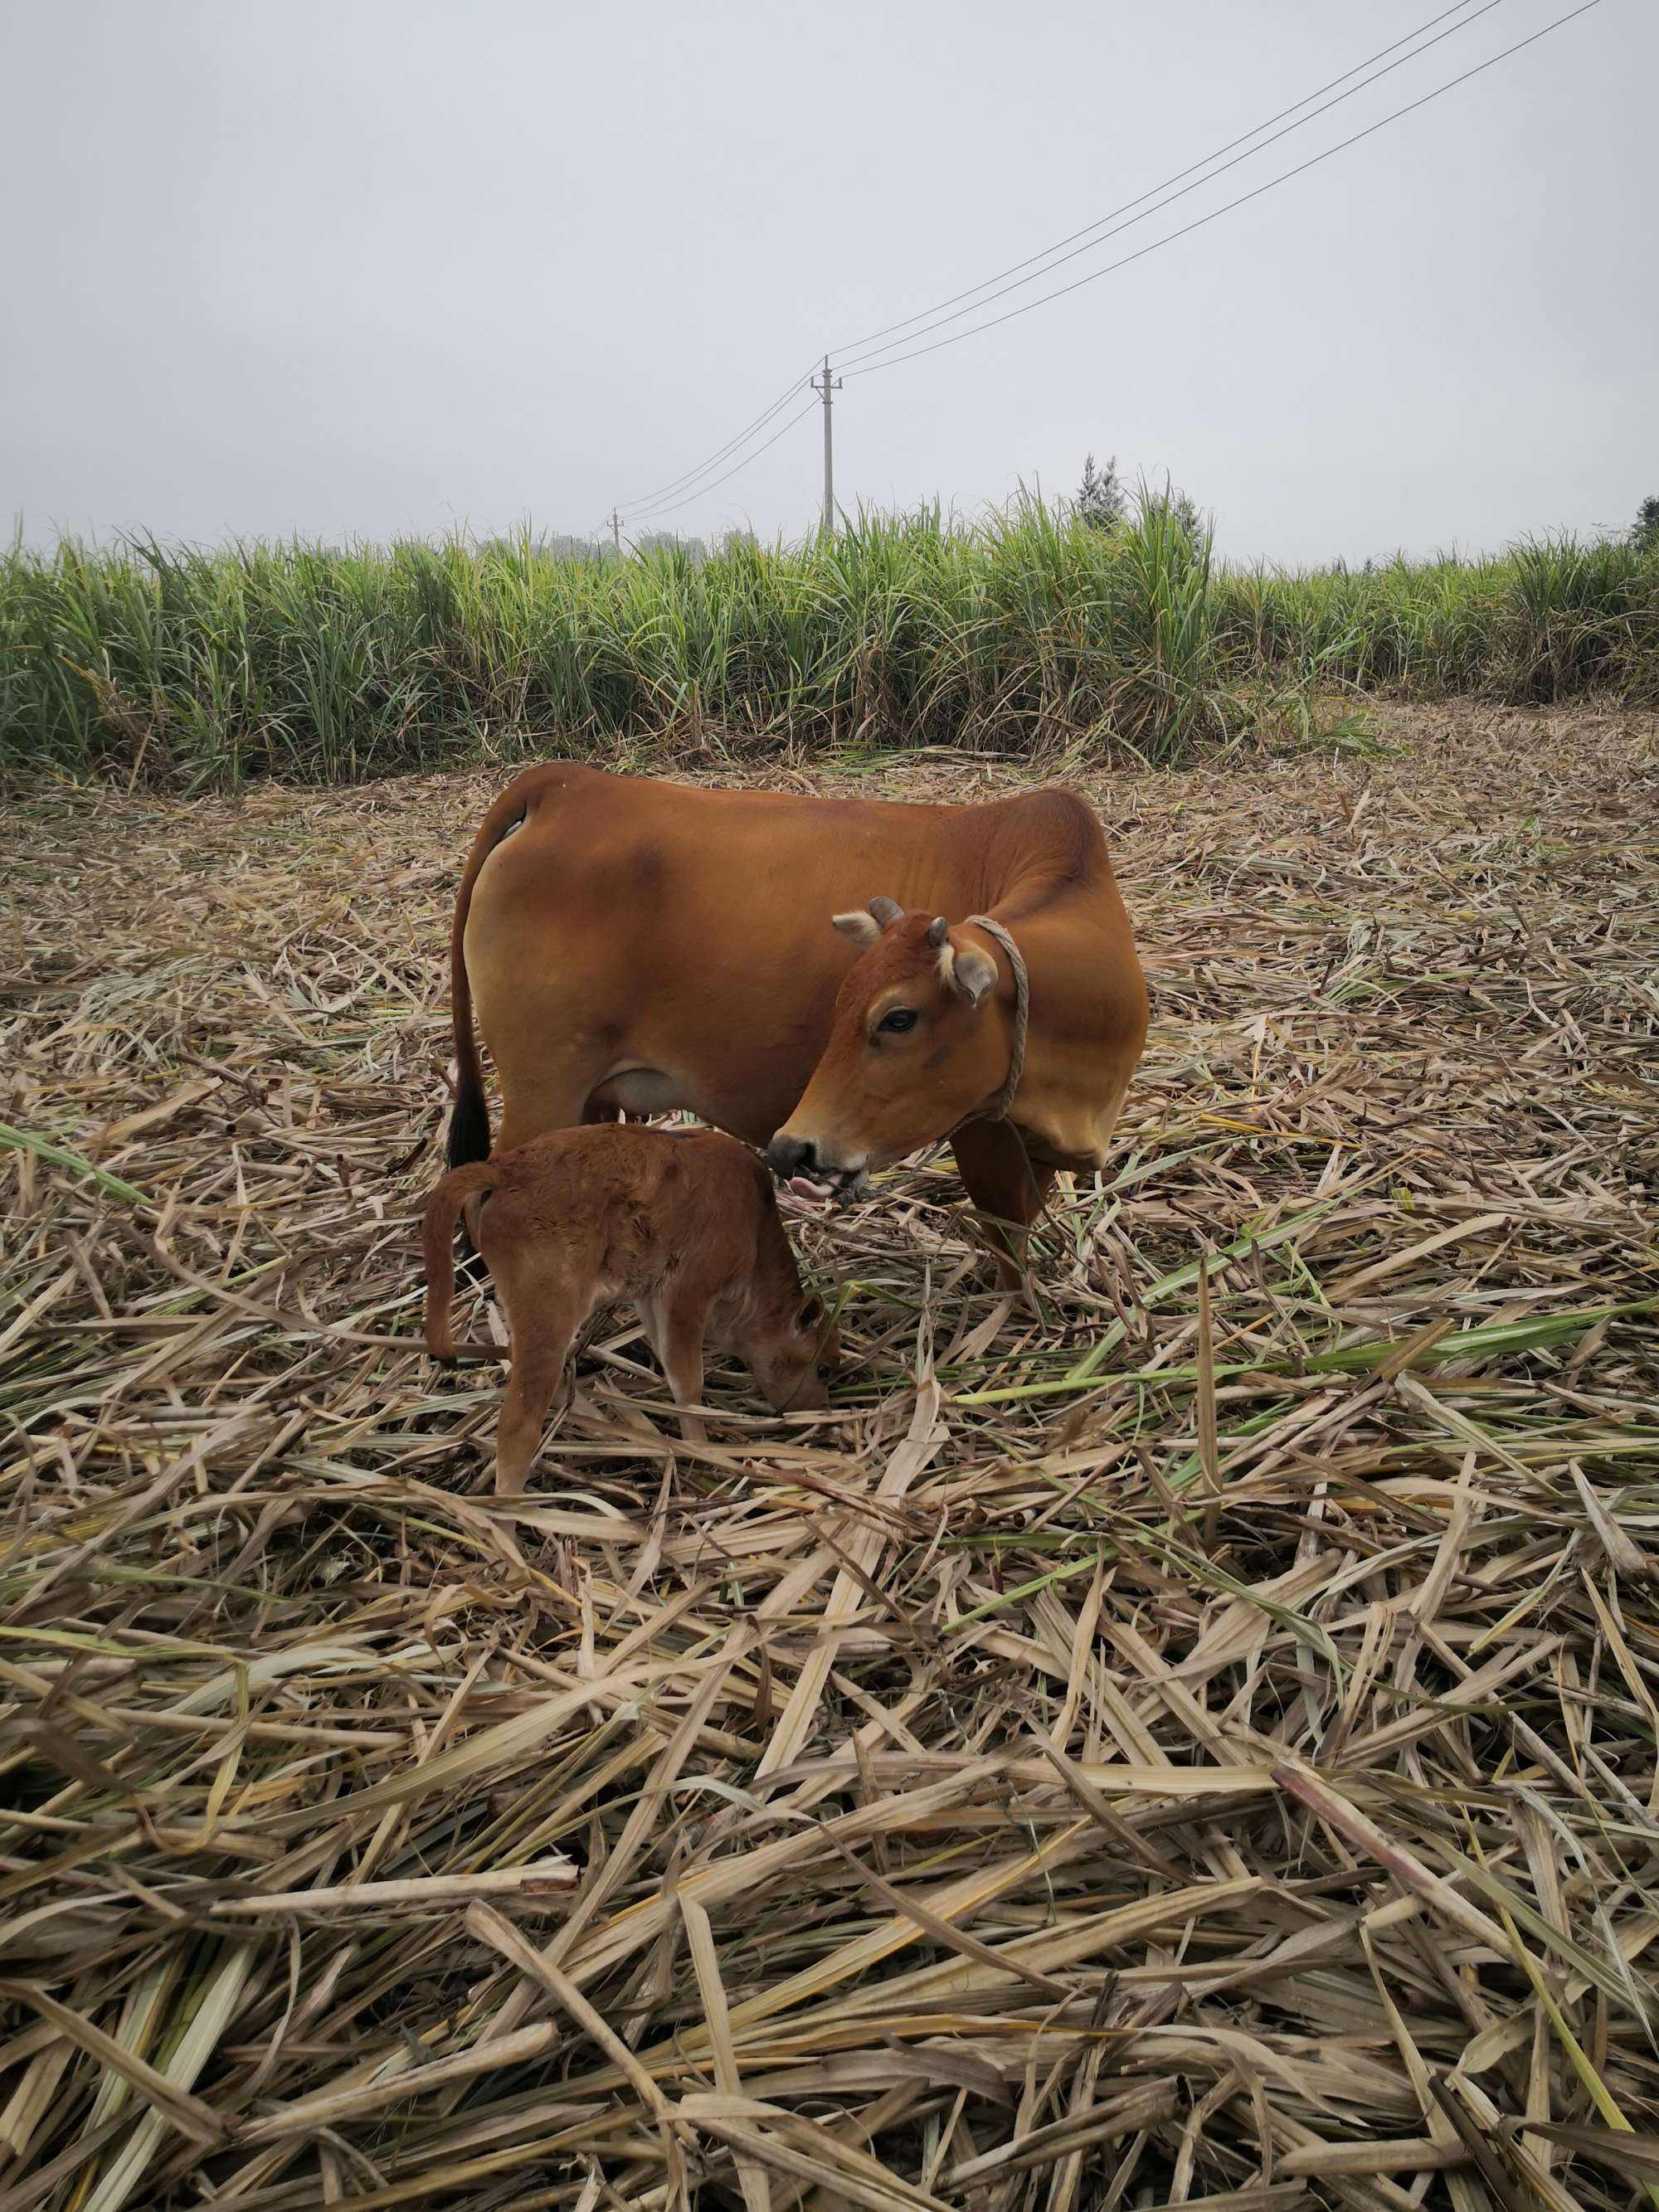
column 900, row 1018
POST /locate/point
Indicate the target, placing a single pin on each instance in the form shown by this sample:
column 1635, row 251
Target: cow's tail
column 469, row 1119
column 438, row 1248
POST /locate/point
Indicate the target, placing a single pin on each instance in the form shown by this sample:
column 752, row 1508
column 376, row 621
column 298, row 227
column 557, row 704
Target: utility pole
column 615, row 532
column 825, row 385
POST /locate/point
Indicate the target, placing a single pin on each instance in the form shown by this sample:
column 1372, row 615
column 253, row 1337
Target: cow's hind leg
column 1007, row 1191
column 538, row 1095
column 554, row 1094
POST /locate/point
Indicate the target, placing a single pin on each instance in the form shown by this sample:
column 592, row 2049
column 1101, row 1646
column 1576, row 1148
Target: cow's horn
column 886, row 911
column 937, row 931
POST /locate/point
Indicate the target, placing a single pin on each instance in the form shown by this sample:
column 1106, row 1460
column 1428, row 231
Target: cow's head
column 914, row 1047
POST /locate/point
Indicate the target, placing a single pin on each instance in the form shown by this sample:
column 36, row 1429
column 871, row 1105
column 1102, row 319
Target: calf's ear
column 811, row 1312
column 863, row 928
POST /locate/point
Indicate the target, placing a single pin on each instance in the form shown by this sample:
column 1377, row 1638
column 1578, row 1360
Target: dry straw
column 1190, row 1742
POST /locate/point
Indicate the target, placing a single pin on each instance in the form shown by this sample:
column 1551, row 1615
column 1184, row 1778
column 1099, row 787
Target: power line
column 810, row 408
column 855, row 345
column 660, row 501
column 1059, row 259
column 663, row 491
column 1199, row 221
column 651, row 500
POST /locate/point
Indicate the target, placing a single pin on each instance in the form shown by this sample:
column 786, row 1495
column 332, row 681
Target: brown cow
column 685, row 1225
column 643, row 946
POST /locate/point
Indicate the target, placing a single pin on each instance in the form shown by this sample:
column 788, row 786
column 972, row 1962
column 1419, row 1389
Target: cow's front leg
column 1006, row 1189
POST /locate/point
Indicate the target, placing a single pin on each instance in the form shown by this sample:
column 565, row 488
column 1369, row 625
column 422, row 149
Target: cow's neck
column 1086, row 1025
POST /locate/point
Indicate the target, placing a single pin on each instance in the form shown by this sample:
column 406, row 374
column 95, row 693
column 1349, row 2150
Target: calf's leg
column 542, row 1327
column 677, row 1327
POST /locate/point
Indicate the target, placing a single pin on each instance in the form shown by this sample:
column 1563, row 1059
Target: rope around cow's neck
column 1000, row 1106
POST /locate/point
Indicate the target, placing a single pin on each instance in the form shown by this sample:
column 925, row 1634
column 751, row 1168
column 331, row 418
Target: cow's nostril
column 791, row 1155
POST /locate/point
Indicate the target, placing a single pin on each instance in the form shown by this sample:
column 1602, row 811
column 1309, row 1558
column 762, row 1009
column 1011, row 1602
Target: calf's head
column 913, row 1048
column 794, row 1355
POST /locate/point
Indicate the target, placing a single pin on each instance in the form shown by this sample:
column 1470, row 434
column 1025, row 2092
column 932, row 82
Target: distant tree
column 1101, row 499
column 1644, row 530
column 671, row 541
column 1186, row 514
column 545, row 545
column 1180, row 510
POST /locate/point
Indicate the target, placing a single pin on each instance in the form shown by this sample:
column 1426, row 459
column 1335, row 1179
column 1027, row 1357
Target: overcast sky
column 371, row 267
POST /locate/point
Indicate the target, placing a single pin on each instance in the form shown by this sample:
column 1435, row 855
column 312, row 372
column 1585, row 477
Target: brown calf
column 684, row 1225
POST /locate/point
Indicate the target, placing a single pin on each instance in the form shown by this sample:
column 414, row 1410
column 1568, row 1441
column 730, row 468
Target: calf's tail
column 438, row 1248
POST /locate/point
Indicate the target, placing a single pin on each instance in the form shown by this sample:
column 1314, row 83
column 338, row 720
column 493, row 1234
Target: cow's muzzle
column 797, row 1161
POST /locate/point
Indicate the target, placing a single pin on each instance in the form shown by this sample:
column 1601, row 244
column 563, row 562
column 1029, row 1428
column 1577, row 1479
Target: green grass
column 1025, row 632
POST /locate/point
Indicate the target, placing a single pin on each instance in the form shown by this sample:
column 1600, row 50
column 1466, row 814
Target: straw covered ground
column 1192, row 1742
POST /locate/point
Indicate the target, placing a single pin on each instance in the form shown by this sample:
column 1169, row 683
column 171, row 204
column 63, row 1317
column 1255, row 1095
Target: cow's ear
column 811, row 1316
column 887, row 911
column 863, row 928
column 972, row 974
column 967, row 973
